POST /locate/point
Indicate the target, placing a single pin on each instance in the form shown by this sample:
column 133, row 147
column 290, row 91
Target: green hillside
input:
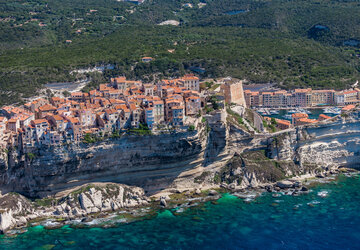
column 291, row 43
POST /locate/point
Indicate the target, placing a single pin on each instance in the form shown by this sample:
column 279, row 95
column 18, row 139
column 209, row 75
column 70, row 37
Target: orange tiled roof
column 47, row 107
column 306, row 120
column 302, row 90
column 12, row 120
column 283, row 122
column 348, row 107
column 73, row 119
column 324, row 116
column 190, row 77
column 58, row 118
column 299, row 115
column 39, row 121
column 350, row 92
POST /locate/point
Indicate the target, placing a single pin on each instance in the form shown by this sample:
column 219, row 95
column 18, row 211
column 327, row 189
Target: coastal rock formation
column 308, row 150
column 16, row 210
column 217, row 154
column 156, row 162
column 326, row 145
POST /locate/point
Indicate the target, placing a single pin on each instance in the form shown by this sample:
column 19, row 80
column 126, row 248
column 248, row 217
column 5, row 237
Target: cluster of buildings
column 303, row 119
column 301, row 98
column 119, row 105
column 297, row 119
column 123, row 104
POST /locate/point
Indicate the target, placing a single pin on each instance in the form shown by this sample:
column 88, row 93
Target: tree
column 273, row 121
column 66, row 93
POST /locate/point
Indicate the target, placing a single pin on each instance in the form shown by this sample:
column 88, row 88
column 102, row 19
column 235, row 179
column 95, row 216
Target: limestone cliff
column 330, row 144
column 217, row 153
column 159, row 162
column 135, row 160
column 308, row 150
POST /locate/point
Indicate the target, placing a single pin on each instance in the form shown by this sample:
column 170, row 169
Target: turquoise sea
column 326, row 218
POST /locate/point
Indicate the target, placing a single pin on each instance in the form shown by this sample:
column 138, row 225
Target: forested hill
column 293, row 43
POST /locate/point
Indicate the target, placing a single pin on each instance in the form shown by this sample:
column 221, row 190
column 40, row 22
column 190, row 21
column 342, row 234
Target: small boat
column 327, row 110
column 292, row 111
column 274, row 112
column 335, row 111
column 305, row 111
column 287, row 117
column 261, row 111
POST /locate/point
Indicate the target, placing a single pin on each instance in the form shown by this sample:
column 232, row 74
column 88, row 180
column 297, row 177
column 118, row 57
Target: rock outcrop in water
column 16, row 210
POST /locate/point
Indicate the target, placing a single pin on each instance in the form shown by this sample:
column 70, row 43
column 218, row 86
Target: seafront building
column 116, row 106
column 301, row 98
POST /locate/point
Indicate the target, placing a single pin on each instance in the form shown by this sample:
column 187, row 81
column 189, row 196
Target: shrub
column 31, row 156
column 191, row 128
column 89, row 138
column 273, row 121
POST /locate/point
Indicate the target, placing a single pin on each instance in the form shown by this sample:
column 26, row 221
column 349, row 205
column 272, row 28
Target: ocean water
column 326, row 218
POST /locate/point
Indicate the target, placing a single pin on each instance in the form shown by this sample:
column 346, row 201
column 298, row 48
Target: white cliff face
column 13, row 206
column 7, row 220
column 326, row 154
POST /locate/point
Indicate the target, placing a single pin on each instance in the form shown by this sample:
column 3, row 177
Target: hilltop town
column 113, row 107
column 125, row 106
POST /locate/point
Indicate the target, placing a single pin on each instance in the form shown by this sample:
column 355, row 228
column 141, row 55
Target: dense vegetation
column 293, row 43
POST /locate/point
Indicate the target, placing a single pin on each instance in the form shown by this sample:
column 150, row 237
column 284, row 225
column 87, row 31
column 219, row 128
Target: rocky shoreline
column 137, row 206
column 80, row 183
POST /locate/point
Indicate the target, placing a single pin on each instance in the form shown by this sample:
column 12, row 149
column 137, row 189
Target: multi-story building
column 322, row 97
column 13, row 124
column 149, row 117
column 87, row 118
column 302, row 97
column 253, row 99
column 149, row 89
column 41, row 126
column 57, row 122
column 3, row 121
column 350, row 97
column 339, row 98
column 191, row 82
column 177, row 116
column 158, row 112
